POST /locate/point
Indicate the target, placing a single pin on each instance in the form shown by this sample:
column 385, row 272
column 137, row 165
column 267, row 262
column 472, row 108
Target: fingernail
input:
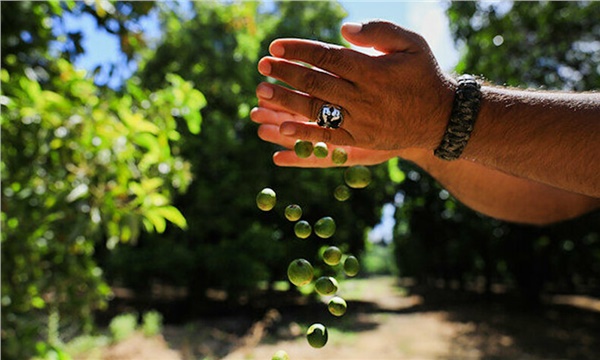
column 277, row 49
column 264, row 67
column 353, row 28
column 287, row 129
column 264, row 91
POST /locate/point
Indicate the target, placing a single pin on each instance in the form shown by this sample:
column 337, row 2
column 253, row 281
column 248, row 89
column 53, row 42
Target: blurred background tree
column 540, row 45
column 86, row 167
column 230, row 244
column 82, row 166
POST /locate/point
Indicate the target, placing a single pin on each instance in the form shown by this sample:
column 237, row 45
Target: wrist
column 436, row 122
column 460, row 123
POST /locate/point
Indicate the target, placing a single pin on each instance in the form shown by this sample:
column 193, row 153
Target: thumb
column 384, row 36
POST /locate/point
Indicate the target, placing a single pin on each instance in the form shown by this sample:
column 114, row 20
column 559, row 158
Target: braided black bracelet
column 465, row 108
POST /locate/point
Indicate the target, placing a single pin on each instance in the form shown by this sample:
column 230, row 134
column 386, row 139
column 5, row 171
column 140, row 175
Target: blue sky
column 427, row 18
column 424, row 17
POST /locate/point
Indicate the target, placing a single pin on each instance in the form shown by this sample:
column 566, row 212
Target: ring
column 330, row 116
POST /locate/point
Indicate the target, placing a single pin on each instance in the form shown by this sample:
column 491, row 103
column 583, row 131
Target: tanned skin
column 533, row 156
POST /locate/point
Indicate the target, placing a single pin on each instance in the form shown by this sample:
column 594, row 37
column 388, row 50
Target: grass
column 355, row 289
column 88, row 347
column 122, row 326
column 152, row 323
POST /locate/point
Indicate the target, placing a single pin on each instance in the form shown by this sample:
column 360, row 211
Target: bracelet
column 465, row 108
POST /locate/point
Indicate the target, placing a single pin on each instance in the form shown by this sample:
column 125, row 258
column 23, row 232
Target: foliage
column 83, row 167
column 378, row 259
column 122, row 326
column 531, row 44
column 230, row 244
column 87, row 346
column 152, row 323
column 552, row 45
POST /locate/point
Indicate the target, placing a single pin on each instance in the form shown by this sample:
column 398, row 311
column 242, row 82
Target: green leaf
column 194, row 120
column 137, row 189
column 152, row 184
column 136, row 122
column 396, row 175
column 156, row 199
column 32, row 88
column 156, row 219
column 172, row 214
column 4, row 75
column 146, row 140
column 38, row 303
column 78, row 192
column 196, row 100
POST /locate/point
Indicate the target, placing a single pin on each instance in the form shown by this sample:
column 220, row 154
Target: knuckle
column 324, row 56
column 336, row 59
column 311, row 82
column 281, row 96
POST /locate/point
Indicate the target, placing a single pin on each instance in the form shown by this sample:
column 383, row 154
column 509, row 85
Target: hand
column 397, row 100
column 271, row 120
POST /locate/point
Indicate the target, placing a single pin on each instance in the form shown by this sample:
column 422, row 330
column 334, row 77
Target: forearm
column 547, row 137
column 501, row 195
column 401, row 100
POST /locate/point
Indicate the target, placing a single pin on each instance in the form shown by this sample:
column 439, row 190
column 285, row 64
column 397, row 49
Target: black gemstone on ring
column 330, row 116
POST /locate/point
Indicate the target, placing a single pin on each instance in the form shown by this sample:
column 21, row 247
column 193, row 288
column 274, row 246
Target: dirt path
column 383, row 322
column 386, row 333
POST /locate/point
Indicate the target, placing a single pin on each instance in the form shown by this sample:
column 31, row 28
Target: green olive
column 339, row 156
column 351, row 266
column 342, row 193
column 321, row 150
column 302, row 229
column 300, row 272
column 293, row 212
column 332, row 255
column 357, row 176
column 325, row 227
column 281, row 355
column 326, row 285
column 337, row 306
column 317, row 335
column 303, row 149
column 266, row 199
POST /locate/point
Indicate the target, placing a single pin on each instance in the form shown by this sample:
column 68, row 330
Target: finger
column 270, row 133
column 344, row 62
column 310, row 81
column 315, row 133
column 384, row 36
column 356, row 156
column 288, row 158
column 262, row 115
column 280, row 98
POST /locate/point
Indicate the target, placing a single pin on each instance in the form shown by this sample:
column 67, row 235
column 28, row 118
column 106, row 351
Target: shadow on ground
column 483, row 327
column 503, row 326
column 215, row 337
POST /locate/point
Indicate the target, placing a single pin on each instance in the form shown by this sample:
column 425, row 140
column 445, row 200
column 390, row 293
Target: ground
column 385, row 322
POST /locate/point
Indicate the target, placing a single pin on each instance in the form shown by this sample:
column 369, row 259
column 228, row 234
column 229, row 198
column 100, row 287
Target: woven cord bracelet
column 465, row 108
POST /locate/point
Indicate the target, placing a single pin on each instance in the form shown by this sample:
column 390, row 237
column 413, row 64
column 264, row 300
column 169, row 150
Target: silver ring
column 330, row 116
